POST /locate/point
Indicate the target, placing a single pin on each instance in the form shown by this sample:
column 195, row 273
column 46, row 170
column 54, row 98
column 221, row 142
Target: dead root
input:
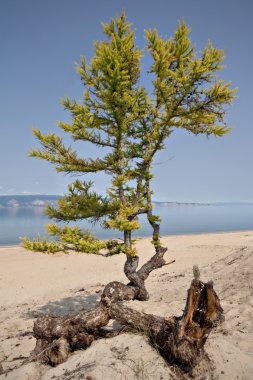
column 180, row 340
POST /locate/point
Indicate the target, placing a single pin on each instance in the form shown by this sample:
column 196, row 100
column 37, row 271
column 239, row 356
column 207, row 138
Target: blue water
column 176, row 220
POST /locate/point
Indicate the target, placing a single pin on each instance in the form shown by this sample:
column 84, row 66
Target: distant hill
column 181, row 204
column 36, row 200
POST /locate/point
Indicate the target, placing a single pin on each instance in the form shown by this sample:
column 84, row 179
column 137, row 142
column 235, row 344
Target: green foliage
column 76, row 239
column 71, row 238
column 129, row 126
column 41, row 245
column 154, row 219
column 124, row 219
column 68, row 238
column 81, row 203
column 114, row 247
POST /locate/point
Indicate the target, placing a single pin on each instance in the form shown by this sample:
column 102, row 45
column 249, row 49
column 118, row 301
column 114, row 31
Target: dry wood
column 180, row 340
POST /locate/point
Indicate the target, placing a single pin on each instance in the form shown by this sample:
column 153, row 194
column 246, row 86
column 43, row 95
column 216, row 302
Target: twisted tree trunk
column 180, row 340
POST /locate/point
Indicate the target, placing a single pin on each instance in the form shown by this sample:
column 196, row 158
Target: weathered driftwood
column 180, row 340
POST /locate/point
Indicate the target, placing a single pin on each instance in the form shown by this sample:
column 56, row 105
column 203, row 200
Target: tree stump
column 180, row 340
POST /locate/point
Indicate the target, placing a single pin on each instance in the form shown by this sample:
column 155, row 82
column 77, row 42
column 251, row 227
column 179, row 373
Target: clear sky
column 42, row 39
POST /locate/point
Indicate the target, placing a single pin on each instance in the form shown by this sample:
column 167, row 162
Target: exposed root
column 180, row 340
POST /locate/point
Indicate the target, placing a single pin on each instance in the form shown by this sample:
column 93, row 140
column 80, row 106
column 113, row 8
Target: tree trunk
column 130, row 270
column 180, row 340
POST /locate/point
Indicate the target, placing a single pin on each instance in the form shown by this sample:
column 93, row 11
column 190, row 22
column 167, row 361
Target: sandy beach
column 34, row 284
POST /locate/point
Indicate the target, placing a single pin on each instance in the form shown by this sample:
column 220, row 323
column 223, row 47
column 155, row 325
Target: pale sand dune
column 32, row 284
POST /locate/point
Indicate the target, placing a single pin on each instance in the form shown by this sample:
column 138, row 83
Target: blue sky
column 42, row 39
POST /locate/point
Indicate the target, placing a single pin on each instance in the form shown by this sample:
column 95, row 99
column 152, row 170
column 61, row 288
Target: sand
column 34, row 284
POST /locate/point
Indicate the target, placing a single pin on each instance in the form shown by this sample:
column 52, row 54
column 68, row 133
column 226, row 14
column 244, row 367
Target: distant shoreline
column 40, row 200
column 140, row 238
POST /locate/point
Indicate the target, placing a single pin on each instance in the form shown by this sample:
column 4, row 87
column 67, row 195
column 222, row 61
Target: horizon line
column 155, row 201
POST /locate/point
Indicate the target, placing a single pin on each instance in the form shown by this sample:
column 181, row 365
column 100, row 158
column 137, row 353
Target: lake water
column 176, row 220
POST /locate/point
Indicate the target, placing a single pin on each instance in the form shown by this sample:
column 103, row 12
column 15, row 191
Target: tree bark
column 180, row 340
column 130, row 270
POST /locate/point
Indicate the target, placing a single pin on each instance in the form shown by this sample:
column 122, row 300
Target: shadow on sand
column 64, row 306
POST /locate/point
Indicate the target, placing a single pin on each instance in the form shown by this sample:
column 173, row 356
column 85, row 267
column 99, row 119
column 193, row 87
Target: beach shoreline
column 34, row 284
column 163, row 236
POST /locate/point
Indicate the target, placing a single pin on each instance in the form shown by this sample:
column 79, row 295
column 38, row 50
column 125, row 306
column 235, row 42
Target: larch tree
column 117, row 115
